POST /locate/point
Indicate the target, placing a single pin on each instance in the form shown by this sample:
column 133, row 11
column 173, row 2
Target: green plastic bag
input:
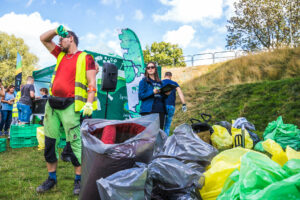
column 261, row 178
column 259, row 147
column 283, row 134
column 292, row 167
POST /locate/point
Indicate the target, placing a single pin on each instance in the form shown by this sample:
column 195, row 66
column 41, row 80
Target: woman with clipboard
column 150, row 94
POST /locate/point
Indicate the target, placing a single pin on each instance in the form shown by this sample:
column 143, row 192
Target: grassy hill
column 259, row 87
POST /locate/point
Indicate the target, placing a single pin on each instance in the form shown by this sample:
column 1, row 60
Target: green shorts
column 71, row 123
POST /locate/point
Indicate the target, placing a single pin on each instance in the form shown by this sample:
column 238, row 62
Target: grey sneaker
column 47, row 185
column 76, row 190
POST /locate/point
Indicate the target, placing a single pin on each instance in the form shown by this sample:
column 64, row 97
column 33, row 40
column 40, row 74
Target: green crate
column 20, row 142
column 2, row 144
column 24, row 130
column 62, row 143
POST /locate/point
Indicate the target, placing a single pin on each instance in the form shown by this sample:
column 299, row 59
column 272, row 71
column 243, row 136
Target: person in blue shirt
column 7, row 106
column 150, row 95
column 170, row 101
column 44, row 93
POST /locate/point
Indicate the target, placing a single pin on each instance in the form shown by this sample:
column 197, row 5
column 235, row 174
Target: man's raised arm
column 46, row 39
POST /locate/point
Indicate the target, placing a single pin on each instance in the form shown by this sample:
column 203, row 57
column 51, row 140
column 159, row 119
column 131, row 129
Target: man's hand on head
column 61, row 31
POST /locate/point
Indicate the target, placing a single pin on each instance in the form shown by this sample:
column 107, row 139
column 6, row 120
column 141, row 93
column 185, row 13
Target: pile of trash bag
column 221, row 167
column 261, row 178
column 240, row 173
column 132, row 143
column 175, row 171
column 224, row 135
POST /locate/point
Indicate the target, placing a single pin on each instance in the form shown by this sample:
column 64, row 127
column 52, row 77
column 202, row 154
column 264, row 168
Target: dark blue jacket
column 146, row 95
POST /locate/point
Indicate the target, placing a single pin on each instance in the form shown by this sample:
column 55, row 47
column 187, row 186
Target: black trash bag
column 254, row 137
column 125, row 184
column 187, row 147
column 177, row 168
column 101, row 160
column 202, row 128
column 226, row 125
column 169, row 178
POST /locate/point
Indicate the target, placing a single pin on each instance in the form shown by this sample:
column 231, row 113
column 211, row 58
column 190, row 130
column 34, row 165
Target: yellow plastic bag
column 248, row 140
column 221, row 167
column 291, row 153
column 278, row 154
column 221, row 139
column 40, row 135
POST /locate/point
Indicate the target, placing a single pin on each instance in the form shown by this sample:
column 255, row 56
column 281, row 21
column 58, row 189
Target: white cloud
column 182, row 36
column 119, row 18
column 104, row 42
column 138, row 15
column 25, row 27
column 230, row 8
column 29, row 3
column 186, row 11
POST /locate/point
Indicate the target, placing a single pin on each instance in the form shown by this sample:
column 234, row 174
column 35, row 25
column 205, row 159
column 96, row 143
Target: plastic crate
column 2, row 144
column 24, row 130
column 62, row 143
column 20, row 142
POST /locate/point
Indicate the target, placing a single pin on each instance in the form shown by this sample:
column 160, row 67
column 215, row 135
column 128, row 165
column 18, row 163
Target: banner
column 134, row 68
column 117, row 107
column 18, row 77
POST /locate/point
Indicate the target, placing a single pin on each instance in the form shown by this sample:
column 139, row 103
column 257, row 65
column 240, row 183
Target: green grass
column 260, row 103
column 24, row 169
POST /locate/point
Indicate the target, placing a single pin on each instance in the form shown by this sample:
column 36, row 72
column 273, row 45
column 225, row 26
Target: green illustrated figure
column 134, row 68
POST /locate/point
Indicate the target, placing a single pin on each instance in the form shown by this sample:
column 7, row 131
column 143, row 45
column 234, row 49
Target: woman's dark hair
column 156, row 77
column 9, row 87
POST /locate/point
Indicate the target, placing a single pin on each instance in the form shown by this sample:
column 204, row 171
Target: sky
column 197, row 26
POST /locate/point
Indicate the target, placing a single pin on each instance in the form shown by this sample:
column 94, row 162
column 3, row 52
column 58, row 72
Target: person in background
column 25, row 103
column 15, row 112
column 170, row 101
column 2, row 93
column 7, row 106
column 149, row 94
column 44, row 93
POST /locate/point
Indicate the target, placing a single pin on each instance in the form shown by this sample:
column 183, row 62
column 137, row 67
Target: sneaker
column 47, row 185
column 76, row 190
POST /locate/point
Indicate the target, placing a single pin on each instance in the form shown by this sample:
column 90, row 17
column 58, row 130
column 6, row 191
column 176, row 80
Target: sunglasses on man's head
column 151, row 67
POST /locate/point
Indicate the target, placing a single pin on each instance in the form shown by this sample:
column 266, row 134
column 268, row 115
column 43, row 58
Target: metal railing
column 212, row 57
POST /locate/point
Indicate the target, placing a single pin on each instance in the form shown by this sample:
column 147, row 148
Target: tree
column 165, row 54
column 267, row 24
column 9, row 46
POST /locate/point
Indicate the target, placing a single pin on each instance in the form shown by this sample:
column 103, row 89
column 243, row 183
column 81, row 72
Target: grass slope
column 276, row 65
column 260, row 102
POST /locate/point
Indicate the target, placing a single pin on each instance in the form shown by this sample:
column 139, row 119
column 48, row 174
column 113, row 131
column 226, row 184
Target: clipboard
column 167, row 88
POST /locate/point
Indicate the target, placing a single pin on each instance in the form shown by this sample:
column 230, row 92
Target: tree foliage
column 165, row 54
column 267, row 24
column 9, row 46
